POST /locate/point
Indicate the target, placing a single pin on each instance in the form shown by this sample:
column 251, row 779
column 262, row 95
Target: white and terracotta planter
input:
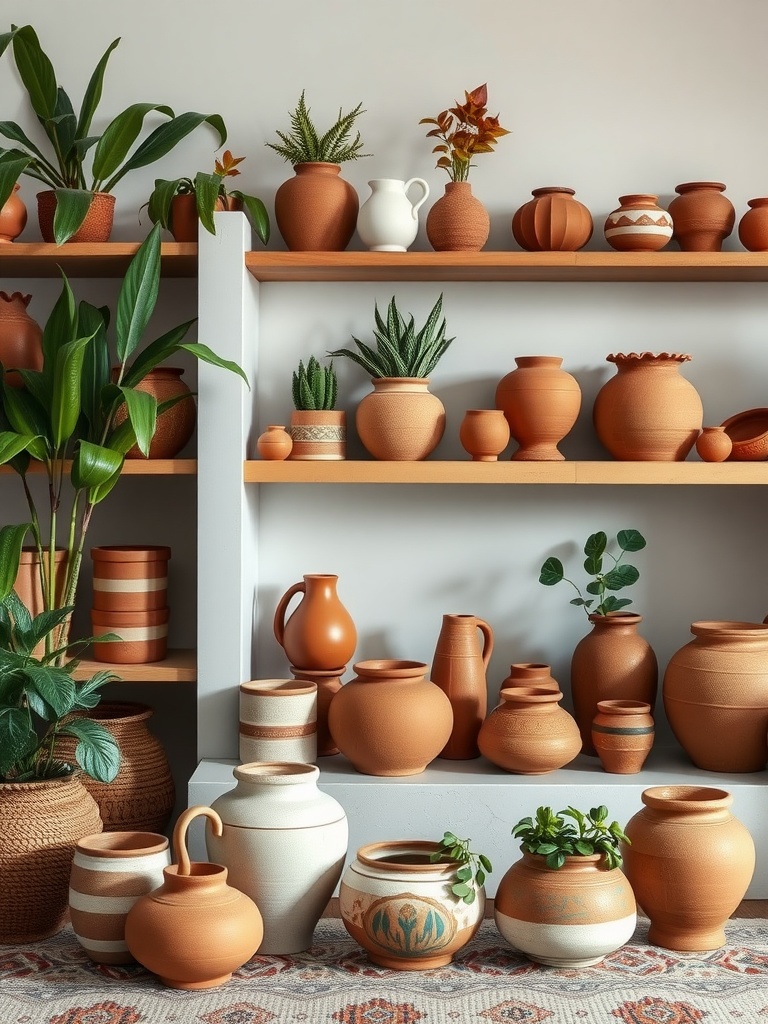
column 130, row 578
column 278, row 720
column 143, row 636
column 318, row 435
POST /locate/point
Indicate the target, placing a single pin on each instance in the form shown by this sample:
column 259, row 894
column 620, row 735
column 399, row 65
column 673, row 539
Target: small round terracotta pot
column 274, row 444
column 713, row 444
column 528, row 733
column 753, row 226
column 144, row 636
column 400, row 420
column 97, row 226
column 13, row 217
column 278, row 721
column 484, row 434
column 702, row 216
column 553, row 221
column 130, row 577
column 622, row 735
column 638, row 225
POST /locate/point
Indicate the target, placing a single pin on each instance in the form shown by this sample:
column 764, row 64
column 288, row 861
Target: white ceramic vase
column 388, row 221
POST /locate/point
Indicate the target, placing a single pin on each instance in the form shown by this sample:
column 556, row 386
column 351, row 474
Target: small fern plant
column 401, row 350
column 472, row 870
column 304, row 144
column 551, row 836
column 314, row 386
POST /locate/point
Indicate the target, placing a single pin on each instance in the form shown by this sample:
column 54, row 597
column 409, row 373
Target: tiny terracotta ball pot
column 274, row 444
column 528, row 733
column 639, row 224
column 13, row 217
column 703, row 217
column 553, row 221
column 713, row 444
column 97, row 226
column 622, row 735
column 143, row 636
column 484, row 434
column 753, row 226
column 130, row 577
column 531, row 673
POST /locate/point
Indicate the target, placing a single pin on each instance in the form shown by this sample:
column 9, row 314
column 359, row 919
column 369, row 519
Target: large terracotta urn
column 638, row 224
column 458, row 668
column 553, row 221
column 690, row 863
column 319, row 634
column 715, row 692
column 458, row 221
column 316, row 210
column 702, row 216
column 541, row 402
column 400, row 420
column 648, row 411
column 528, row 733
column 21, row 337
column 97, row 226
column 13, row 216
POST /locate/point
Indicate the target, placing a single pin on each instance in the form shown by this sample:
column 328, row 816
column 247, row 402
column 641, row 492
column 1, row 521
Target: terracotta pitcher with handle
column 320, row 634
column 459, row 668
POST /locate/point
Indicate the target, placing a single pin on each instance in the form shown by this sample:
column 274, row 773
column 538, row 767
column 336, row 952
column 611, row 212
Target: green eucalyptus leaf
column 469, row 897
column 461, row 889
column 486, row 863
column 464, row 873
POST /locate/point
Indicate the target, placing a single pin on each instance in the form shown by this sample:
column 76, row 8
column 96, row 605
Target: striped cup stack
column 130, row 598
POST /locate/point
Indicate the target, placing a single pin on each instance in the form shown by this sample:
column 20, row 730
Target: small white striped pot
column 110, row 871
column 318, row 435
column 130, row 578
column 278, row 720
column 638, row 225
column 143, row 636
column 570, row 917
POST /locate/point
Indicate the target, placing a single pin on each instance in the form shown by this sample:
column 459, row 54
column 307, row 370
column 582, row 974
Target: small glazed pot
column 278, row 720
column 274, row 444
column 143, row 636
column 484, row 434
column 622, row 735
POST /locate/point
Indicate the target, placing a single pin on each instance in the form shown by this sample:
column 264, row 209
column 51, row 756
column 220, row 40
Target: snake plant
column 314, row 386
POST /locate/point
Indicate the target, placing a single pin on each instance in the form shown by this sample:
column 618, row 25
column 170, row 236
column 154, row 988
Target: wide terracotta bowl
column 748, row 432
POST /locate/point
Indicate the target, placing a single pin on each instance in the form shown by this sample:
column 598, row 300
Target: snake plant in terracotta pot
column 318, row 429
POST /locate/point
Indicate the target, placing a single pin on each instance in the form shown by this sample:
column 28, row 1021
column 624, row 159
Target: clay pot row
column 130, row 599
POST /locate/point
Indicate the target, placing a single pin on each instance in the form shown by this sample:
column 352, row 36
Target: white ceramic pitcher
column 388, row 221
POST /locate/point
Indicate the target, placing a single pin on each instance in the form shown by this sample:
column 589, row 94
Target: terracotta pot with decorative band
column 622, row 735
column 278, row 720
column 144, row 636
column 319, row 435
column 130, row 578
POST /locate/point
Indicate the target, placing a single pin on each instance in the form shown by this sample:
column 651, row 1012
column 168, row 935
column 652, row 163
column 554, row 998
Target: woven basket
column 40, row 824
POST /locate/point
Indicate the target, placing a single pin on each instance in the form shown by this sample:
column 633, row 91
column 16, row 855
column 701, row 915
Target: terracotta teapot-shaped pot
column 195, row 930
column 320, row 634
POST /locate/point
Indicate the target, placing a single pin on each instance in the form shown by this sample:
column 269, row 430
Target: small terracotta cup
column 144, row 636
column 622, row 735
column 130, row 578
column 278, row 720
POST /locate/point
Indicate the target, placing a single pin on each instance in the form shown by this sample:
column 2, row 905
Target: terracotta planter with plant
column 318, row 430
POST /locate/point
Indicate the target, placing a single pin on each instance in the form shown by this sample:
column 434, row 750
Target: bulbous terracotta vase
column 484, row 434
column 97, row 226
column 400, row 420
column 553, row 221
column 622, row 735
column 13, row 216
column 541, row 402
column 703, row 217
column 176, row 425
column 319, row 634
column 458, row 668
column 529, row 733
column 753, row 226
column 316, row 210
column 275, row 443
column 690, row 863
column 713, row 444
column 458, row 221
column 639, row 224
column 531, row 673
column 21, row 337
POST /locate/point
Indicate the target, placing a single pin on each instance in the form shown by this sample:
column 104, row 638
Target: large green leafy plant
column 71, row 138
column 571, row 833
column 616, row 577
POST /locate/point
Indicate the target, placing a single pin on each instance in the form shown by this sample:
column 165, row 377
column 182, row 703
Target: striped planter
column 278, row 720
column 622, row 735
column 143, row 636
column 130, row 578
column 110, row 871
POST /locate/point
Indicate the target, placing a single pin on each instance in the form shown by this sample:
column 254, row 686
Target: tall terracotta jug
column 459, row 668
column 320, row 634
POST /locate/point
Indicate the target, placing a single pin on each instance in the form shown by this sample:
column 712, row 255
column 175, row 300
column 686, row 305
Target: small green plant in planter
column 618, row 576
column 473, row 869
column 314, row 386
column 571, row 833
column 318, row 429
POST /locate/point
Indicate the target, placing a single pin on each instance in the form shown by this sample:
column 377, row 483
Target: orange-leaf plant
column 464, row 131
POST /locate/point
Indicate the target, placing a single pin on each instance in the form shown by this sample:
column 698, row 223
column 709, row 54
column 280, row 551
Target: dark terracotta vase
column 97, row 226
column 458, row 668
column 21, row 337
column 553, row 221
column 458, row 221
column 702, row 216
column 316, row 210
column 753, row 226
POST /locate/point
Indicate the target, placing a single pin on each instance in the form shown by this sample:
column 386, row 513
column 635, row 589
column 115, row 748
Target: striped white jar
column 110, row 871
column 278, row 720
column 129, row 578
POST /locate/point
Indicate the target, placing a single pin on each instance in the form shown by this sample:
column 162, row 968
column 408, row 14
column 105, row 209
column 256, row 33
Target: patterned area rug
column 489, row 983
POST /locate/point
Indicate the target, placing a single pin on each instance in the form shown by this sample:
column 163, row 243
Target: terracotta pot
column 638, row 225
column 484, row 433
column 278, row 721
column 622, row 735
column 175, row 425
column 319, row 435
column 143, row 636
column 130, row 577
column 528, row 733
column 458, row 221
column 399, row 907
column 13, row 216
column 715, row 692
column 541, row 402
column 390, row 720
column 690, row 864
column 316, row 210
column 29, row 588
column 328, row 684
column 458, row 668
column 40, row 823
column 284, row 842
column 184, row 220
column 553, row 221
column 97, row 226
column 110, row 871
column 531, row 673
column 319, row 633
column 702, row 216
column 612, row 662
column 713, row 444
column 648, row 411
column 400, row 420
column 753, row 226
column 195, row 929
column 748, row 434
column 21, row 337
column 274, row 444
column 571, row 917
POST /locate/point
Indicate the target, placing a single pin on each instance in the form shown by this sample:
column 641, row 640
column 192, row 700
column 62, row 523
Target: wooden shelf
column 507, row 266
column 507, row 472
column 90, row 259
column 137, row 467
column 179, row 667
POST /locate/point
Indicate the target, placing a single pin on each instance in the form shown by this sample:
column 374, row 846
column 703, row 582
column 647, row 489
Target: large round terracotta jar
column 648, row 411
column 13, row 216
column 715, row 692
column 541, row 402
column 639, row 224
column 175, row 425
column 21, row 337
column 529, row 733
column 97, row 226
column 458, row 221
column 570, row 917
column 690, row 864
column 316, row 210
column 702, row 216
column 753, row 226
column 553, row 221
column 390, row 719
column 319, row 634
column 400, row 420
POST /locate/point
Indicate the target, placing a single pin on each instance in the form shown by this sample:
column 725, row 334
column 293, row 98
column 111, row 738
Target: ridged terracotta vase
column 541, row 402
column 400, row 420
column 690, row 863
column 484, row 434
column 316, row 210
column 458, row 668
column 528, row 733
column 319, row 634
column 622, row 735
column 328, row 684
column 13, row 216
column 176, row 425
column 275, row 443
column 318, row 435
column 390, row 720
column 531, row 673
column 713, row 444
column 571, row 917
column 703, row 217
column 97, row 226
column 612, row 662
column 458, row 221
column 753, row 226
column 648, row 411
column 715, row 692
column 553, row 221
column 130, row 577
column 639, row 224
column 21, row 337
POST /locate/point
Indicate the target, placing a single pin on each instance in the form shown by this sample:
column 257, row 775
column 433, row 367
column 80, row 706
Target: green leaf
column 12, row 166
column 486, row 863
column 470, row 897
column 11, row 444
column 142, row 412
column 72, row 205
column 94, row 465
column 207, row 188
column 60, row 328
column 11, row 542
column 92, row 94
column 551, row 572
column 88, row 693
column 614, row 604
column 155, row 353
column 159, row 205
column 461, row 889
column 65, row 403
column 595, row 587
column 207, row 355
column 35, row 71
column 27, row 417
column 118, row 137
column 55, row 688
column 593, row 564
column 96, row 368
column 138, row 294
column 621, row 576
column 256, row 212
column 584, row 848
column 97, row 751
column 545, row 848
column 17, row 737
column 555, row 860
column 464, row 873
column 63, row 124
column 596, row 545
column 98, row 494
column 630, row 540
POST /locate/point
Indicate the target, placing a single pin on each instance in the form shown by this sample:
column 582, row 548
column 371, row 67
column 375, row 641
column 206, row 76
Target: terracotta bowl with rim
column 748, row 432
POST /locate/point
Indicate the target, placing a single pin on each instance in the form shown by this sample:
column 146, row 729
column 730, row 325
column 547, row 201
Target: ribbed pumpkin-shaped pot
column 529, row 733
column 622, row 735
column 639, row 224
column 715, row 692
column 316, row 210
column 702, row 215
column 541, row 402
column 553, row 221
column 690, row 864
column 97, row 226
column 458, row 221
column 319, row 634
column 400, row 420
column 570, row 917
column 176, row 425
column 13, row 216
column 21, row 337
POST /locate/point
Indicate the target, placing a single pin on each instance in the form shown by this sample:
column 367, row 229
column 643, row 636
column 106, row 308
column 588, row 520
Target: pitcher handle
column 180, row 834
column 282, row 605
column 424, row 186
column 487, row 632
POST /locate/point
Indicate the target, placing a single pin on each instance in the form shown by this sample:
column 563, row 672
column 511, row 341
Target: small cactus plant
column 314, row 386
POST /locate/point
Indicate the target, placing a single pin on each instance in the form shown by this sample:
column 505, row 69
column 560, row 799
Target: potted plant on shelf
column 612, row 662
column 401, row 420
column 567, row 902
column 458, row 221
column 318, row 429
column 178, row 204
column 316, row 210
column 79, row 205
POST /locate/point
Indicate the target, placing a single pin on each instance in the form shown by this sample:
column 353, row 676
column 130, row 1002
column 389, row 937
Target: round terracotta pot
column 41, row 823
column 702, row 216
column 639, row 224
column 553, row 221
column 97, row 226
column 753, row 226
column 529, row 733
column 571, row 917
column 328, row 684
column 484, row 434
column 399, row 907
column 175, row 425
column 143, row 636
column 622, row 735
column 748, row 434
column 713, row 444
column 458, row 668
column 183, row 220
column 690, row 864
column 275, row 443
column 319, row 633
column 13, row 216
column 648, row 411
column 390, row 719
column 21, row 337
column 318, row 435
column 130, row 577
column 278, row 720
column 458, row 221
column 400, row 420
column 316, row 210
column 541, row 402
column 612, row 662
column 715, row 692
